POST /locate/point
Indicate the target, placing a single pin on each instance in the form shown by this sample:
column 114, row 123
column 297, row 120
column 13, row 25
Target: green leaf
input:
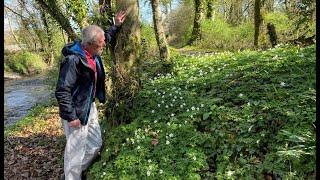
column 206, row 115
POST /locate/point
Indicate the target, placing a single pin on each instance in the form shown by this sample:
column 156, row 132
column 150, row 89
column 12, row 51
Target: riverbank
column 33, row 147
column 20, row 95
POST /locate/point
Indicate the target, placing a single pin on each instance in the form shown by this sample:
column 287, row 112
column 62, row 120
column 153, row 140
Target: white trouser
column 83, row 145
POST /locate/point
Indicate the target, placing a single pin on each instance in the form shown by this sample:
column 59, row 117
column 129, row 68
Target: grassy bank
column 229, row 116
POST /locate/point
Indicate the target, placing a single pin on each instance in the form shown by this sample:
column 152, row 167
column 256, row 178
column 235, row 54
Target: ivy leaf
column 206, row 115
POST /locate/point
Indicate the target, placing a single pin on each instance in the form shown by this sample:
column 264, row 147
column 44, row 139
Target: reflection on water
column 21, row 95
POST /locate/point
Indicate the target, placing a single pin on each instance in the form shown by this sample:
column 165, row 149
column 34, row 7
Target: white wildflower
column 155, row 121
column 194, row 158
column 240, row 95
column 148, row 173
column 170, row 135
column 152, row 111
column 149, row 161
column 188, row 110
column 230, row 173
column 167, row 106
column 167, row 142
column 159, row 105
column 160, row 171
column 193, row 108
column 172, row 114
column 282, row 84
column 162, row 102
column 138, row 147
column 202, row 105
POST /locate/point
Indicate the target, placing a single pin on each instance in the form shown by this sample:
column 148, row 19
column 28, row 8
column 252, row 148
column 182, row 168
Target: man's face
column 99, row 45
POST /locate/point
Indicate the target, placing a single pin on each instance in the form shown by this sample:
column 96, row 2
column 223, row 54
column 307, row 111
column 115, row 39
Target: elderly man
column 81, row 80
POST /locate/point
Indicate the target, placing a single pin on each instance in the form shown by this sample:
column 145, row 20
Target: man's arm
column 110, row 34
column 66, row 82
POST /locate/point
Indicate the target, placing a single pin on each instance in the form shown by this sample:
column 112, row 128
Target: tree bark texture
column 209, row 9
column 257, row 21
column 159, row 31
column 196, row 32
column 49, row 36
column 125, row 82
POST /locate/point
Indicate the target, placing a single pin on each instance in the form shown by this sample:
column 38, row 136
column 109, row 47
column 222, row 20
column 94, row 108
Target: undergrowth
column 246, row 115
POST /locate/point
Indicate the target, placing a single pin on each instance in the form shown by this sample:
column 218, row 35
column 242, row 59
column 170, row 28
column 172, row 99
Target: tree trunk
column 209, row 9
column 125, row 82
column 196, row 32
column 159, row 31
column 257, row 21
column 50, row 49
column 272, row 34
column 55, row 12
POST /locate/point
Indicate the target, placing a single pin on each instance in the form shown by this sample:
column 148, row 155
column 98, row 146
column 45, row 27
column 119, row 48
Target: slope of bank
column 228, row 116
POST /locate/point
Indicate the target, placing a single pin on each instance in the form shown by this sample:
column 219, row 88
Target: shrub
column 179, row 25
column 148, row 42
column 218, row 34
column 282, row 24
column 26, row 63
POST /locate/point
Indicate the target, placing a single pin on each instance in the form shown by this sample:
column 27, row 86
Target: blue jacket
column 75, row 86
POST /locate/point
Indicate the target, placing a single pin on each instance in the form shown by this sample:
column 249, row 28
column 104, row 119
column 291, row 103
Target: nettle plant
column 221, row 116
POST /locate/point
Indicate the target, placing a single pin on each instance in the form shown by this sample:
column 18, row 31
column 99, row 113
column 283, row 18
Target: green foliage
column 180, row 23
column 149, row 43
column 79, row 8
column 231, row 116
column 26, row 63
column 283, row 25
column 218, row 34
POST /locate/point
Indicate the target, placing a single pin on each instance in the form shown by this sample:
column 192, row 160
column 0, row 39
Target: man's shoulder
column 71, row 58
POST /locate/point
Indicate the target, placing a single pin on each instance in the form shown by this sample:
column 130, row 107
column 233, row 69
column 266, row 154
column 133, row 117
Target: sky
column 145, row 11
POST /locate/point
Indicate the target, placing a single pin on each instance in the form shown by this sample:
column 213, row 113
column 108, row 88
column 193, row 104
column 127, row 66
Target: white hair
column 90, row 34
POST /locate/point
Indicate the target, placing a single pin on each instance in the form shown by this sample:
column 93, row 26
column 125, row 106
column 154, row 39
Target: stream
column 20, row 95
